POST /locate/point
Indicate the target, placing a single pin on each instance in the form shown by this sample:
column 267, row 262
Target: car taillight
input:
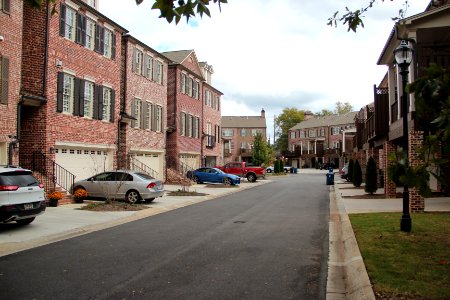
column 151, row 185
column 41, row 185
column 9, row 187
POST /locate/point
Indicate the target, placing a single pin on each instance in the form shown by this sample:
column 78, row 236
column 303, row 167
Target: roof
column 177, row 56
column 332, row 120
column 243, row 122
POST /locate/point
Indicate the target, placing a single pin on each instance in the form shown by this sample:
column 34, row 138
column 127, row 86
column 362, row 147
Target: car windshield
column 218, row 171
column 143, row 175
column 19, row 178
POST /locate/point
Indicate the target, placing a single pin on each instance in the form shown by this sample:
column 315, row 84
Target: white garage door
column 84, row 162
column 3, row 154
column 190, row 160
column 152, row 160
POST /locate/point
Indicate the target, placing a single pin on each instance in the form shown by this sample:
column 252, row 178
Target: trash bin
column 295, row 170
column 330, row 178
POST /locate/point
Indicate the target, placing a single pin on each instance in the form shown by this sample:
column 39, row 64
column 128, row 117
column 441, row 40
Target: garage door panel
column 153, row 161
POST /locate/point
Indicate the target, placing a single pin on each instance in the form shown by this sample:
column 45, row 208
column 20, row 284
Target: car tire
column 251, row 177
column 227, row 181
column 132, row 196
column 25, row 221
column 196, row 179
column 149, row 200
column 269, row 171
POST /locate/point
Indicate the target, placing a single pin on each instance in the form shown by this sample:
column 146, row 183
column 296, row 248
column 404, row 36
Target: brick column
column 389, row 186
column 416, row 201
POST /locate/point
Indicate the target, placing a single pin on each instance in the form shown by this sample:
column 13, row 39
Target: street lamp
column 403, row 57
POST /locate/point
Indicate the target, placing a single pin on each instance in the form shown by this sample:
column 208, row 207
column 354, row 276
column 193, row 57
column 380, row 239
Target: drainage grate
column 240, row 222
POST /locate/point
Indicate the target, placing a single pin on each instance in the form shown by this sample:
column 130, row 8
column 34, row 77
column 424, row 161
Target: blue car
column 214, row 175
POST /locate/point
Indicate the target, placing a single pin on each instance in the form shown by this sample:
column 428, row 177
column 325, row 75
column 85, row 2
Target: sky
column 275, row 54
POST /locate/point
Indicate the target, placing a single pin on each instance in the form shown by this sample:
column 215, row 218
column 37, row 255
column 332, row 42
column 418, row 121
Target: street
column 268, row 242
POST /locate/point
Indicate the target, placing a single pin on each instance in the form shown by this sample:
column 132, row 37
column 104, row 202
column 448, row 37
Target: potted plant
column 54, row 197
column 80, row 195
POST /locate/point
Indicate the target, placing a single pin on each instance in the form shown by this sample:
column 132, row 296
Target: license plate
column 27, row 206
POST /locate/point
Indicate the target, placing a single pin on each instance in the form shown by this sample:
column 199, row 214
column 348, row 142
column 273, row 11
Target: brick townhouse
column 238, row 133
column 69, row 104
column 10, row 72
column 321, row 140
column 380, row 131
column 193, row 113
column 143, row 116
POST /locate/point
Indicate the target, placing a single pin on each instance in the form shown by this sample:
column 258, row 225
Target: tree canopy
column 340, row 109
column 285, row 121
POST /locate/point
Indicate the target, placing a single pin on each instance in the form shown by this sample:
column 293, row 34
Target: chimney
column 263, row 113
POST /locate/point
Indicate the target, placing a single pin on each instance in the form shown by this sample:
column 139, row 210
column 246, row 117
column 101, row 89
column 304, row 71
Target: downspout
column 122, row 104
column 202, row 160
column 47, row 26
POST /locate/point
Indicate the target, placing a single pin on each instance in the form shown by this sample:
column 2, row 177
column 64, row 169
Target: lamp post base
column 405, row 223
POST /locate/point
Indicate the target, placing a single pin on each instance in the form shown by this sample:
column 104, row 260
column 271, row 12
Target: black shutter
column 102, row 40
column 144, row 114
column 155, row 65
column 100, row 103
column 78, row 29
column 81, row 97
column 5, row 80
column 113, row 46
column 83, row 31
column 154, row 117
column 134, row 64
column 133, row 112
column 59, row 92
column 62, row 20
column 112, row 111
column 145, row 67
column 97, row 38
column 6, row 6
column 76, row 98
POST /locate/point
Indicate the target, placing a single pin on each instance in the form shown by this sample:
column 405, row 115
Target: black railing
column 51, row 174
column 137, row 165
column 182, row 168
column 210, row 141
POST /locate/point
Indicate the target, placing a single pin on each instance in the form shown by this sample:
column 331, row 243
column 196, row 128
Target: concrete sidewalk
column 66, row 221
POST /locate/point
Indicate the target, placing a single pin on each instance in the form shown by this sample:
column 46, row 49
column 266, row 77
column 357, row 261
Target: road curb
column 347, row 275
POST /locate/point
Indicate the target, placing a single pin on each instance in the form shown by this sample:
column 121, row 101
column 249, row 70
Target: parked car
column 22, row 196
column 270, row 169
column 344, row 172
column 122, row 185
column 241, row 169
column 214, row 175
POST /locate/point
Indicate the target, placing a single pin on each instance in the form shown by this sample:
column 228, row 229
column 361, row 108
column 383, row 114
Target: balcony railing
column 210, row 141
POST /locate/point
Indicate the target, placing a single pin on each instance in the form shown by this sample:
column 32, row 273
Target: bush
column 350, row 170
column 357, row 174
column 276, row 166
column 281, row 166
column 371, row 176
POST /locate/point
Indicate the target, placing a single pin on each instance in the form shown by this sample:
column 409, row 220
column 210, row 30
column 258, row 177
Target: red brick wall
column 417, row 203
column 389, row 186
column 11, row 48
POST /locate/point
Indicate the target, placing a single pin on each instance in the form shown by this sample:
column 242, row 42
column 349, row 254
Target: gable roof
column 243, row 122
column 332, row 120
column 178, row 57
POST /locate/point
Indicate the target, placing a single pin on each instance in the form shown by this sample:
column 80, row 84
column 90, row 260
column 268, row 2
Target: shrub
column 281, row 166
column 350, row 170
column 371, row 176
column 357, row 174
column 276, row 166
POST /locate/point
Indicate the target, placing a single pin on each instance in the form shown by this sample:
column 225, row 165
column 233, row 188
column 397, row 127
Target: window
column 159, row 72
column 217, row 133
column 4, row 74
column 293, row 135
column 92, row 3
column 191, row 86
column 148, row 116
column 68, row 94
column 183, row 83
column 243, row 145
column 335, row 130
column 88, row 99
column 322, row 131
column 148, row 67
column 197, row 127
column 107, row 105
column 137, row 61
column 159, row 118
column 302, row 134
column 215, row 102
column 243, row 132
column 195, row 89
column 69, row 21
column 254, row 132
column 188, row 86
column 137, row 113
column 182, row 124
column 90, row 34
column 207, row 98
column 108, row 40
column 209, row 134
column 227, row 132
column 312, row 133
column 5, row 6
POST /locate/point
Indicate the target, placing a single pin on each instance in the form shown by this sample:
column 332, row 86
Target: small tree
column 260, row 150
column 281, row 166
column 276, row 166
column 350, row 170
column 357, row 174
column 371, row 176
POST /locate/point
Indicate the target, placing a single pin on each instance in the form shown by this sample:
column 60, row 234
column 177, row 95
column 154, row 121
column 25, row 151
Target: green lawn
column 415, row 265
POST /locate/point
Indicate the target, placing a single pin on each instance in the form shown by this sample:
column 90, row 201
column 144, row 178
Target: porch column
column 389, row 186
column 417, row 202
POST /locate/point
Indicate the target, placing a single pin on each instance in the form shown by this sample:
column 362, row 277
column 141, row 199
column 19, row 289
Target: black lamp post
column 403, row 57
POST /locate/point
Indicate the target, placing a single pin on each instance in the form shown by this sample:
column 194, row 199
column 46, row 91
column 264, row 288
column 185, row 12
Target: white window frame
column 159, row 118
column 159, row 72
column 137, row 112
column 107, row 92
column 149, row 67
column 227, row 132
column 107, row 40
column 292, row 134
column 90, row 33
column 88, row 99
column 312, row 133
column 148, row 120
column 243, row 132
column 68, row 93
column 70, row 22
column 139, row 60
column 183, row 83
column 183, row 124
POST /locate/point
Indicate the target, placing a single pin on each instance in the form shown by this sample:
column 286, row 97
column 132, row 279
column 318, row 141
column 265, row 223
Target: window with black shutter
column 133, row 112
column 62, row 20
column 113, row 100
column 59, row 92
column 6, row 7
column 80, row 36
column 76, row 105
column 4, row 73
column 113, row 46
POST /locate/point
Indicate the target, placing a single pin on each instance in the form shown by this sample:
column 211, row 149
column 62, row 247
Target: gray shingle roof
column 332, row 120
column 243, row 122
column 177, row 56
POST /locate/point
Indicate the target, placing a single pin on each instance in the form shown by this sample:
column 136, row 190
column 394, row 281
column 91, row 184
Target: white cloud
column 274, row 54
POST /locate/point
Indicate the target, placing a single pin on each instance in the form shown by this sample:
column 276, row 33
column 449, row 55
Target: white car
column 22, row 196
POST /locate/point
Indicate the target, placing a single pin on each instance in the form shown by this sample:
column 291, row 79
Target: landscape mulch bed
column 113, row 206
column 185, row 193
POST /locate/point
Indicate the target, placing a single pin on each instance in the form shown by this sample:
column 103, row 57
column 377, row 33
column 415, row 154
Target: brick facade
column 417, row 202
column 389, row 186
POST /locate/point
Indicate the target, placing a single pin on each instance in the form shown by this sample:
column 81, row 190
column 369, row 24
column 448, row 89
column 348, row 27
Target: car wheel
column 227, row 181
column 149, row 200
column 196, row 179
column 132, row 196
column 269, row 171
column 251, row 177
column 25, row 221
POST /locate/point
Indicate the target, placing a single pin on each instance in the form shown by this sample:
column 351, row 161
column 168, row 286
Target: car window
column 121, row 176
column 19, row 178
column 142, row 175
column 108, row 176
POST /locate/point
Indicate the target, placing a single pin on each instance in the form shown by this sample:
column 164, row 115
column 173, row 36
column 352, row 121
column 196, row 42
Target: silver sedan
column 122, row 185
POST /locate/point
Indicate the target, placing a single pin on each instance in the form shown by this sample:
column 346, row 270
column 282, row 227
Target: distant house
column 321, row 140
column 193, row 122
column 238, row 133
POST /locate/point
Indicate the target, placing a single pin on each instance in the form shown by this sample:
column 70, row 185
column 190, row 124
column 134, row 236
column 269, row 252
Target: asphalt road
column 268, row 242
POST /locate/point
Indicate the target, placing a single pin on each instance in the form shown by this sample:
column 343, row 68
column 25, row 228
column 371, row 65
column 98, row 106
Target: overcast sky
column 274, row 54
